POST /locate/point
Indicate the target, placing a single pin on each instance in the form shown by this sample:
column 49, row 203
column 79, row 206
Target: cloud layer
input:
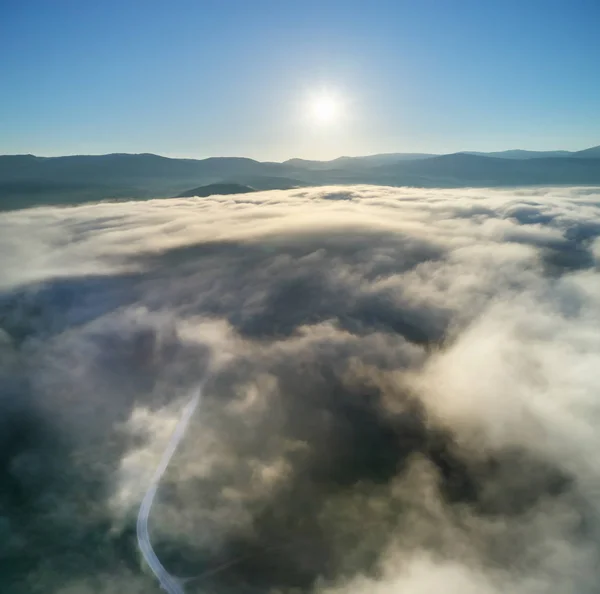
column 402, row 391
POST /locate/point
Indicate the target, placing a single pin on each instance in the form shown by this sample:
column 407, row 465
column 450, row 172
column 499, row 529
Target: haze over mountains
column 28, row 180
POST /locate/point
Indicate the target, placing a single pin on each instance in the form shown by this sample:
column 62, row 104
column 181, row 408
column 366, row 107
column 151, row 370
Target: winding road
column 168, row 582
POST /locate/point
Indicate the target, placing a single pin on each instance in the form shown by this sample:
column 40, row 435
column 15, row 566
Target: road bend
column 167, row 581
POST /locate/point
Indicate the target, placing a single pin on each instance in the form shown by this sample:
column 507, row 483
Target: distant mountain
column 307, row 164
column 27, row 180
column 521, row 154
column 268, row 182
column 462, row 169
column 390, row 158
column 591, row 153
column 217, row 189
column 126, row 168
column 368, row 160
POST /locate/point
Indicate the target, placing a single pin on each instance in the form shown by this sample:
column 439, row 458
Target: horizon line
column 363, row 155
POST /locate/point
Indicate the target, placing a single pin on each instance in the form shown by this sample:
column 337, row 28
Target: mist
column 400, row 391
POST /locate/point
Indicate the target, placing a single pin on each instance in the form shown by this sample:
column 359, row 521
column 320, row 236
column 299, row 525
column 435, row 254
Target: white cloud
column 402, row 387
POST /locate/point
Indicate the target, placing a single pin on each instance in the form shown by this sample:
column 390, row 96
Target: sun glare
column 324, row 109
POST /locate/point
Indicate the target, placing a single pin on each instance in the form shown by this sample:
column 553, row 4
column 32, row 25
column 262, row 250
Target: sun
column 325, row 109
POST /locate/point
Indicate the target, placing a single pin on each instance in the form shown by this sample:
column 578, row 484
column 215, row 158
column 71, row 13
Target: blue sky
column 234, row 77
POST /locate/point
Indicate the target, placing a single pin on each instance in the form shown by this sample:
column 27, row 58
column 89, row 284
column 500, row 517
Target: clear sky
column 205, row 78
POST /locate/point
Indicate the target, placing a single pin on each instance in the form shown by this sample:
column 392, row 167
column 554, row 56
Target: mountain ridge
column 30, row 180
column 223, row 189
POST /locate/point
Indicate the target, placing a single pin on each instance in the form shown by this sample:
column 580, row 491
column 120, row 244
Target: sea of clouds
column 402, row 392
